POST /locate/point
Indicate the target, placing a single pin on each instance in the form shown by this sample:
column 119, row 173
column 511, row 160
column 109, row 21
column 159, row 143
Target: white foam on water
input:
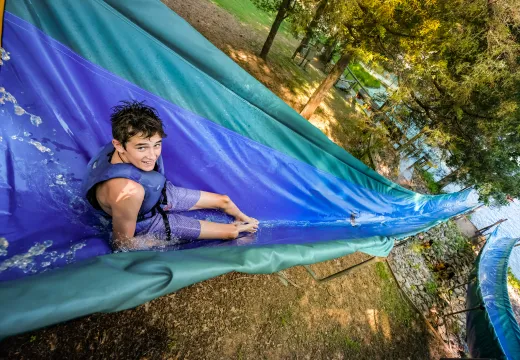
column 4, row 55
column 25, row 261
column 60, row 180
column 18, row 110
column 36, row 120
column 40, row 147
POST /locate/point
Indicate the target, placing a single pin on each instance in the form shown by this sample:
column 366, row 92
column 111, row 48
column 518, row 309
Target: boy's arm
column 125, row 198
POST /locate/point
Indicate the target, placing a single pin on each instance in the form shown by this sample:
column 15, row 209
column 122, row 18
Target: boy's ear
column 119, row 147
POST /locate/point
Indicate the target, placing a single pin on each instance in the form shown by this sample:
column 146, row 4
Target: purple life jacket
column 100, row 169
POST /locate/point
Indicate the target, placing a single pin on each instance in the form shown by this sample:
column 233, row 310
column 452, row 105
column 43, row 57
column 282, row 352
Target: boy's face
column 141, row 152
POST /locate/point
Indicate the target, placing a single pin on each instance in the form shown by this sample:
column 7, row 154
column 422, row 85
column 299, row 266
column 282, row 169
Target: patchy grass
column 403, row 315
column 363, row 76
column 352, row 344
column 382, row 271
column 286, row 317
column 247, row 12
column 366, row 79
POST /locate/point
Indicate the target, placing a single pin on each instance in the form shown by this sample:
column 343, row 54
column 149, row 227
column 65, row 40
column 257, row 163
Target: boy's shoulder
column 120, row 190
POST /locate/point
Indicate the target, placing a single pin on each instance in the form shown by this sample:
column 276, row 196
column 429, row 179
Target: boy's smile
column 139, row 151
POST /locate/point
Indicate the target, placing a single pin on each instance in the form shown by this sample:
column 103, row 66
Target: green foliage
column 459, row 74
column 431, row 287
column 416, row 247
column 512, row 280
column 268, row 5
column 295, row 10
column 454, row 327
column 431, row 184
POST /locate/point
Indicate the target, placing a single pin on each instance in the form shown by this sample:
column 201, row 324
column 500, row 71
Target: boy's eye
column 157, row 145
column 140, row 148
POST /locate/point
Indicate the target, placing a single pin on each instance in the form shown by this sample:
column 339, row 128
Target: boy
column 126, row 181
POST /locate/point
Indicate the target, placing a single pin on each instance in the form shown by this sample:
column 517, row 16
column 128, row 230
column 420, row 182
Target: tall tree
column 320, row 9
column 283, row 9
column 460, row 76
column 362, row 25
column 318, row 95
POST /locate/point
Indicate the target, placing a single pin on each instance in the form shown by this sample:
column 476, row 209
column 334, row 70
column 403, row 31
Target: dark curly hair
column 133, row 118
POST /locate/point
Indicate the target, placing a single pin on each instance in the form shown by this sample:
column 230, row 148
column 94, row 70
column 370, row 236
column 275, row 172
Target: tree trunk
column 310, row 28
column 411, row 141
column 330, row 46
column 326, row 84
column 274, row 29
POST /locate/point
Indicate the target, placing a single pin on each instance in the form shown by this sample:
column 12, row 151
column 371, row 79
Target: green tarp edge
column 102, row 31
column 121, row 281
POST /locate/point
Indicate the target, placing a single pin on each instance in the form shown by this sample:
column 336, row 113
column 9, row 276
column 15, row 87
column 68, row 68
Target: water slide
column 65, row 64
column 492, row 330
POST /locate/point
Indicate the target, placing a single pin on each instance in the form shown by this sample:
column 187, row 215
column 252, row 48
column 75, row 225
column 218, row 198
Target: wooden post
column 484, row 229
column 480, row 307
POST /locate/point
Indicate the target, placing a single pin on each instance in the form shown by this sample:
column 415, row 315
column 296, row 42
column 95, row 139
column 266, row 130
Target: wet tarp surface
column 492, row 331
column 65, row 65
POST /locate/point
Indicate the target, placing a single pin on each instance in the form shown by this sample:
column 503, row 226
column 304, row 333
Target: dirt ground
column 241, row 316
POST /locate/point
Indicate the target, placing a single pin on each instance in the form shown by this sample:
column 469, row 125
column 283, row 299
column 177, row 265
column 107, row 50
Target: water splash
column 60, row 180
column 4, row 56
column 18, row 110
column 3, row 246
column 35, row 120
column 25, row 261
column 71, row 254
column 148, row 242
column 40, row 147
